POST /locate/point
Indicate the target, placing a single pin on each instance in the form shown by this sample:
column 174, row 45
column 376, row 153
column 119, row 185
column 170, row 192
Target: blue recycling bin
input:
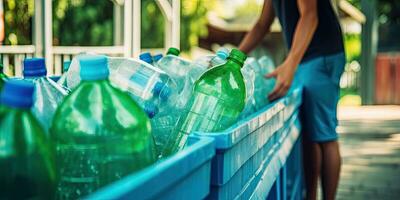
column 185, row 175
column 253, row 159
column 251, row 153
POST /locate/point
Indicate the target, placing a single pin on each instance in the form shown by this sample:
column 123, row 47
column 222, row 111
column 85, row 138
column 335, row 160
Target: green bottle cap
column 238, row 56
column 173, row 51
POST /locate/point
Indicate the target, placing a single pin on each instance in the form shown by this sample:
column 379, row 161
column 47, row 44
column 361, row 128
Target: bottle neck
column 235, row 63
column 99, row 81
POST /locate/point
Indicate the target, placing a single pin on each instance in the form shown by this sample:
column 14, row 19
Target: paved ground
column 370, row 139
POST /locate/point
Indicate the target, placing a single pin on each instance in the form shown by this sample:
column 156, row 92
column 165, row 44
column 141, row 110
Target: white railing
column 64, row 53
column 127, row 15
column 12, row 57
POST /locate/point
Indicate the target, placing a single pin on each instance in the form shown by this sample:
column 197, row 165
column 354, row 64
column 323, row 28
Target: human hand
column 284, row 75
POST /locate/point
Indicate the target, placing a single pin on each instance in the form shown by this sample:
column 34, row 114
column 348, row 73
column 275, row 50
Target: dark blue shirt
column 327, row 38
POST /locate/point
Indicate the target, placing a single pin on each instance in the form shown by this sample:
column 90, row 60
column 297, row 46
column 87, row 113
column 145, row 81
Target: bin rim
column 167, row 171
column 227, row 138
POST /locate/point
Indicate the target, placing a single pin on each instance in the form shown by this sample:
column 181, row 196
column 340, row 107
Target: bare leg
column 312, row 167
column 331, row 162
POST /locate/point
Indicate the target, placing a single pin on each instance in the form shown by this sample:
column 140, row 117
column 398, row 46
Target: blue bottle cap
column 161, row 90
column 66, row 65
column 17, row 93
column 150, row 109
column 146, row 57
column 223, row 53
column 34, row 67
column 55, row 78
column 93, row 67
column 157, row 57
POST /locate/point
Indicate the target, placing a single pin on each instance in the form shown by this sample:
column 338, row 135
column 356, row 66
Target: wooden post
column 128, row 28
column 136, row 28
column 48, row 36
column 38, row 28
column 118, row 24
column 369, row 39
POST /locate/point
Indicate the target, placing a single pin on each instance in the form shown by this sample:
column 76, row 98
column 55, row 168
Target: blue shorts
column 320, row 78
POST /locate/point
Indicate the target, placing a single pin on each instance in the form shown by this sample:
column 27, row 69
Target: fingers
column 279, row 91
column 272, row 74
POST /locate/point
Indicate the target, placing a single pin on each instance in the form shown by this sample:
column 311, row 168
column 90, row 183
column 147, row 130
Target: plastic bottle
column 267, row 66
column 157, row 57
column 27, row 162
column 176, row 67
column 249, row 79
column 71, row 79
column 149, row 86
column 48, row 94
column 146, row 57
column 218, row 99
column 101, row 134
column 163, row 116
column 262, row 85
column 66, row 65
column 210, row 61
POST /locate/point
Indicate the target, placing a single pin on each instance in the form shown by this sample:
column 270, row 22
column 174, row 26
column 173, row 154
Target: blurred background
column 370, row 86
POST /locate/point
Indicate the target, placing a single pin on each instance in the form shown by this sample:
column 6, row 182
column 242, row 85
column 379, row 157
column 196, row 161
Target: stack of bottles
column 122, row 115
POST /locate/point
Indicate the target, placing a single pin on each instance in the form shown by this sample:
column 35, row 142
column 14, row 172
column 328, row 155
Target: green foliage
column 352, row 45
column 152, row 22
column 249, row 11
column 193, row 23
column 90, row 22
column 18, row 20
column 83, row 22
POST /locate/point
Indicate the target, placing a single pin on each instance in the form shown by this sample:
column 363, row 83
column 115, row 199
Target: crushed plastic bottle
column 66, row 65
column 101, row 134
column 71, row 79
column 48, row 94
column 218, row 99
column 249, row 79
column 262, row 85
column 267, row 66
column 27, row 160
column 176, row 67
column 148, row 85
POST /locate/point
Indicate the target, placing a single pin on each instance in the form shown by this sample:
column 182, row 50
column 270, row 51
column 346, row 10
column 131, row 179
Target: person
column 1, row 22
column 315, row 60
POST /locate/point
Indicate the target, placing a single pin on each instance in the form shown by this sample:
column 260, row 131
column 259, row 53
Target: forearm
column 257, row 33
column 253, row 38
column 304, row 32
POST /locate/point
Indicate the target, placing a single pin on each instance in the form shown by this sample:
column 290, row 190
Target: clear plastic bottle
column 164, row 116
column 101, row 134
column 249, row 79
column 267, row 66
column 261, row 84
column 176, row 67
column 48, row 94
column 157, row 57
column 146, row 57
column 27, row 160
column 66, row 65
column 148, row 85
column 218, row 99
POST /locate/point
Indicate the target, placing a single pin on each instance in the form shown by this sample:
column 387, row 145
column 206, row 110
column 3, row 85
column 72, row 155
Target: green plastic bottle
column 101, row 134
column 217, row 100
column 27, row 163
